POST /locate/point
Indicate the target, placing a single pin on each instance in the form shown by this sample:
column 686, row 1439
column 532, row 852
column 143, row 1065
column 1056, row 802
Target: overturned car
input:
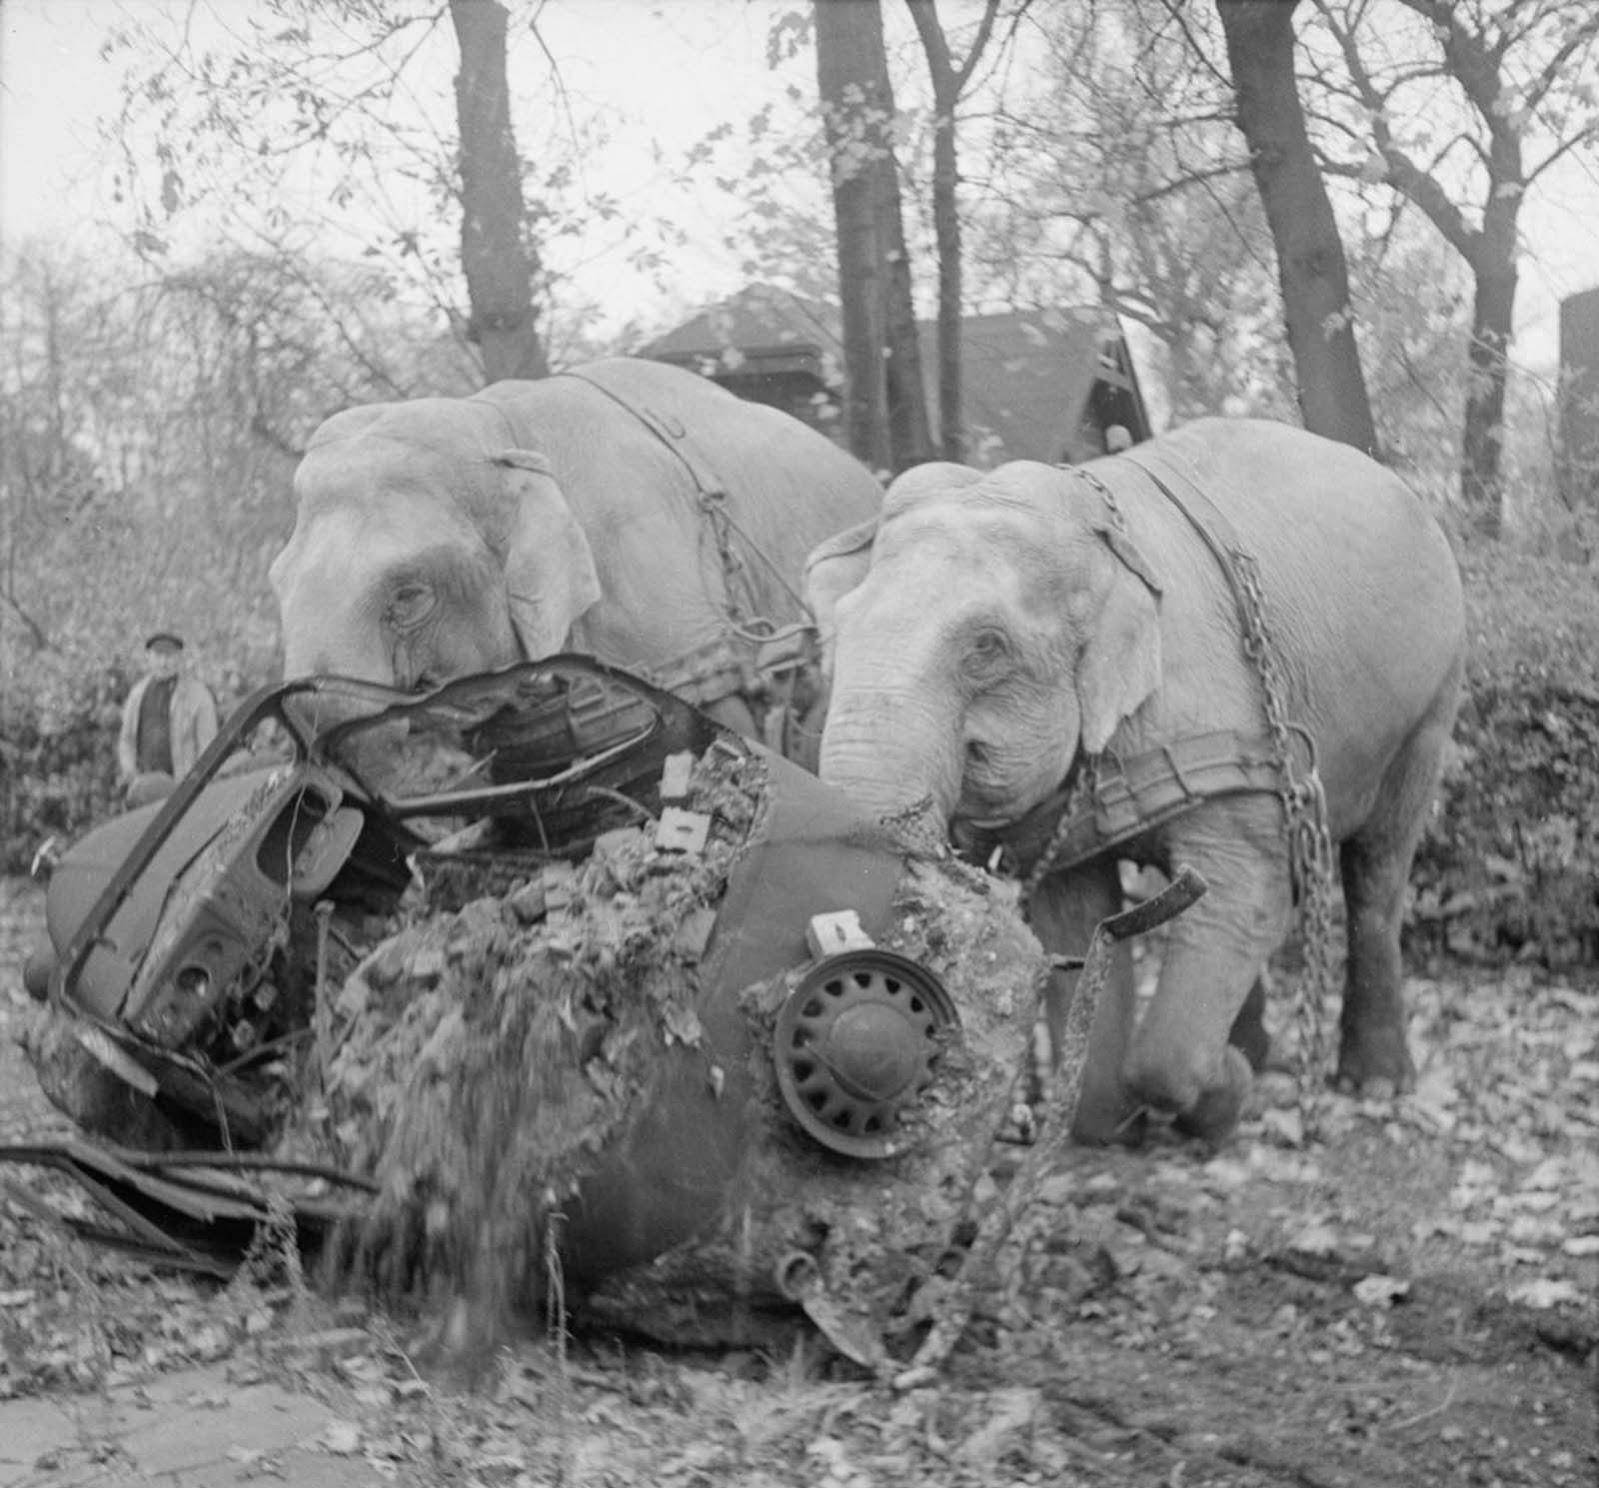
column 545, row 987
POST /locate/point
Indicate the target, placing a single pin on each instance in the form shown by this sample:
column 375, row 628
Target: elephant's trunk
column 888, row 749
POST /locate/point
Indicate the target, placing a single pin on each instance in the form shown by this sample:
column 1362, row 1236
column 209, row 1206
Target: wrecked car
column 185, row 937
column 545, row 989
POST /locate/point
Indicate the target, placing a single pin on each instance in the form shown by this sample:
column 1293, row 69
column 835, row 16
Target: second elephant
column 999, row 628
column 628, row 509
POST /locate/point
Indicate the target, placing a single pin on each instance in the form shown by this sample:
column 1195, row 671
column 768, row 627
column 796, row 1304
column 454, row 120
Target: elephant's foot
column 1108, row 1119
column 1213, row 1116
column 1374, row 1068
column 1205, row 1105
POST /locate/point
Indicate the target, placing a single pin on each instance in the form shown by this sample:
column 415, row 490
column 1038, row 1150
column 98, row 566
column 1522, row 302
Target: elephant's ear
column 835, row 566
column 550, row 579
column 1120, row 665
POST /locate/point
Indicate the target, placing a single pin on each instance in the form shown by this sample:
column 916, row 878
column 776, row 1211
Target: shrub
column 58, row 759
column 1509, row 868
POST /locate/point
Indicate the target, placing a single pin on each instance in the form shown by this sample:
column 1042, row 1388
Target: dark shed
column 1579, row 398
column 1038, row 384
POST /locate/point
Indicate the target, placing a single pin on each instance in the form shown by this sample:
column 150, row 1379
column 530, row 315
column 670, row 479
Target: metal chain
column 1118, row 521
column 1311, row 862
column 734, row 572
column 1310, row 854
column 1082, row 792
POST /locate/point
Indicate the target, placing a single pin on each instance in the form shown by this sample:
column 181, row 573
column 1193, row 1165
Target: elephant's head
column 997, row 623
column 426, row 547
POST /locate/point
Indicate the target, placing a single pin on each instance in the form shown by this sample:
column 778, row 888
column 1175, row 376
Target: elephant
column 998, row 637
column 629, row 509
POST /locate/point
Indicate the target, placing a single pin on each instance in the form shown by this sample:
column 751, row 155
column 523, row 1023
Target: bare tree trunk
column 910, row 436
column 949, row 81
column 885, row 406
column 1492, row 313
column 1310, row 255
column 500, row 263
column 1491, row 253
column 947, row 235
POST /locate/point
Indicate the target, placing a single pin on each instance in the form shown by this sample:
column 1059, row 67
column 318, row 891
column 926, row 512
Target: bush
column 1509, row 868
column 1530, row 615
column 58, row 760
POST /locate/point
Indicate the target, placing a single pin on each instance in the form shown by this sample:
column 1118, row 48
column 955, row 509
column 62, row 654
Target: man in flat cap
column 167, row 721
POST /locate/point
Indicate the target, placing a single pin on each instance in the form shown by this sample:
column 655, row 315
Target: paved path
column 192, row 1429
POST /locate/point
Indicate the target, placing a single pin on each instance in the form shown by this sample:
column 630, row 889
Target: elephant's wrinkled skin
column 445, row 536
column 998, row 624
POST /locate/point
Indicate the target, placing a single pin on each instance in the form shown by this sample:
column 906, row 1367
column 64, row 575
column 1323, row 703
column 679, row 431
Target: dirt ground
column 1408, row 1294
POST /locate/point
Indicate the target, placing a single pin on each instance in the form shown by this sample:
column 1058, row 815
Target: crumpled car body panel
column 666, row 1179
column 184, row 925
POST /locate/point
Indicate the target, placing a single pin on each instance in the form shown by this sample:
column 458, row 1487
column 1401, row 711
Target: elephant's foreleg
column 1183, row 1058
column 1063, row 914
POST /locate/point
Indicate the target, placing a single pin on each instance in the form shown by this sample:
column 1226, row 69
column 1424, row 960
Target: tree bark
column 885, row 405
column 947, row 235
column 1492, row 318
column 1491, row 255
column 1310, row 255
column 499, row 261
column 948, row 83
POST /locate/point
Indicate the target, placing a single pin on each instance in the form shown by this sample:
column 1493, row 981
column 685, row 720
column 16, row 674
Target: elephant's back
column 787, row 485
column 1330, row 527
column 753, row 444
column 1259, row 470
column 1361, row 590
column 633, row 445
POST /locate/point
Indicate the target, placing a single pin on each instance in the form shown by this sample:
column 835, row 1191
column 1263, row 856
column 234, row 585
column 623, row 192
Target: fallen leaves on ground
column 1393, row 1291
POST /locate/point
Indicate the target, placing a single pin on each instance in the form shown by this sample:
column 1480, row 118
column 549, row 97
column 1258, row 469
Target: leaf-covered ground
column 1405, row 1295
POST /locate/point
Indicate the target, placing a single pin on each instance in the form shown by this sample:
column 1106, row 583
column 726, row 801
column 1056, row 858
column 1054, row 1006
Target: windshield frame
column 291, row 705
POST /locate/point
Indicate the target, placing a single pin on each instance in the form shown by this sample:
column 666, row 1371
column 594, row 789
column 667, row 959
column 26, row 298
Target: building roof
column 1028, row 375
column 760, row 329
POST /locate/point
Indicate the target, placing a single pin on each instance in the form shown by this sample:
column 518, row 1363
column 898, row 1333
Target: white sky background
column 662, row 73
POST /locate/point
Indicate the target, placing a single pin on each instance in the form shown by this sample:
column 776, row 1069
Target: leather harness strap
column 1131, row 797
column 1208, row 520
column 753, row 659
column 667, row 427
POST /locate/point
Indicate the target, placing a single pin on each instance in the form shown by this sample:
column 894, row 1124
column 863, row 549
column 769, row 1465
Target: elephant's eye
column 409, row 605
column 988, row 651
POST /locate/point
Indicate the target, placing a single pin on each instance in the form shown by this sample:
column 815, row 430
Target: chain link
column 1082, row 792
column 1310, row 854
column 1108, row 496
column 1311, row 862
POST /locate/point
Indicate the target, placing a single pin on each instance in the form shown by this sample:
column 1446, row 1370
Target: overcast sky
column 663, row 71
column 660, row 73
